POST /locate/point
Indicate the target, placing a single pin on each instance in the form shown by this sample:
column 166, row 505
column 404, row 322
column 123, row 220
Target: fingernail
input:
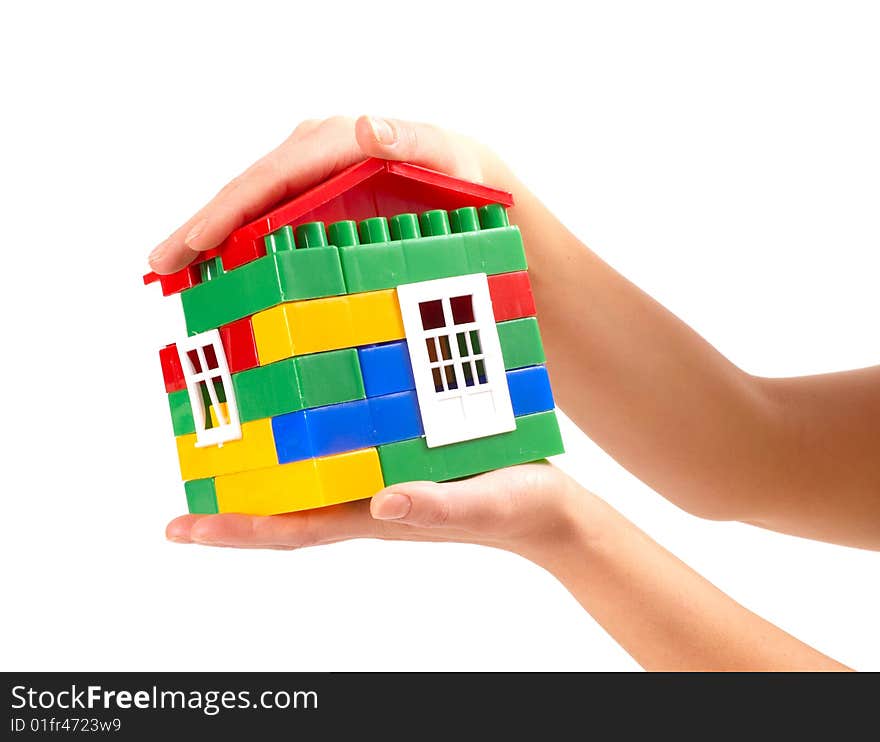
column 157, row 253
column 383, row 131
column 391, row 507
column 194, row 233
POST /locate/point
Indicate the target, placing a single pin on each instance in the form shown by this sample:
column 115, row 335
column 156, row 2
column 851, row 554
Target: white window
column 210, row 385
column 456, row 358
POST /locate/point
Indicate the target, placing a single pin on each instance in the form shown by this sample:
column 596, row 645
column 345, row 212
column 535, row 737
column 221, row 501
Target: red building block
column 511, row 295
column 238, row 342
column 171, row 370
column 236, row 251
column 174, row 283
column 366, row 189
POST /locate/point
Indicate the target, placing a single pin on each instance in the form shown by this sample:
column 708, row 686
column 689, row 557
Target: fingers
column 472, row 505
column 496, row 508
column 421, row 144
column 312, row 153
column 482, row 509
column 416, row 510
column 179, row 529
column 288, row 531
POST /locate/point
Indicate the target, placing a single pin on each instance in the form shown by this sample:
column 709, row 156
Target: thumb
column 459, row 505
column 420, row 144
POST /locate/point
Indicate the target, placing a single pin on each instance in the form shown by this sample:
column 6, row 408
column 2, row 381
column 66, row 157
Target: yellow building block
column 376, row 317
column 279, row 489
column 301, row 485
column 349, row 476
column 254, row 450
column 301, row 327
column 224, row 413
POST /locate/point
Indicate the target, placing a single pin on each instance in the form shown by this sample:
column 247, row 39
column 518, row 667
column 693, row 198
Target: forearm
column 795, row 455
column 659, row 610
column 828, row 453
column 643, row 385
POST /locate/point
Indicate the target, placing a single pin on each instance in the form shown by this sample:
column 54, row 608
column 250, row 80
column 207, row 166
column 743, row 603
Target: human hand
column 311, row 154
column 525, row 509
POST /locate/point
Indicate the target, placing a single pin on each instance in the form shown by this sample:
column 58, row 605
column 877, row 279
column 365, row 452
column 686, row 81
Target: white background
column 725, row 156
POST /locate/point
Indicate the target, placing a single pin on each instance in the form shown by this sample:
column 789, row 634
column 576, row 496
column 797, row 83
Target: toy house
column 322, row 363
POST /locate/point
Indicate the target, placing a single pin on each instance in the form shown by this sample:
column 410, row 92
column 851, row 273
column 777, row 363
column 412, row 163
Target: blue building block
column 395, row 417
column 529, row 390
column 337, row 428
column 386, row 368
column 387, row 418
column 292, row 442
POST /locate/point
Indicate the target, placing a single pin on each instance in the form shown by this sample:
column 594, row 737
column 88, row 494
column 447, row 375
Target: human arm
column 795, row 455
column 664, row 614
column 798, row 455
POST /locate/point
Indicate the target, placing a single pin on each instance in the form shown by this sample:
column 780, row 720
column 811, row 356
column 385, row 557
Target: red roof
column 369, row 188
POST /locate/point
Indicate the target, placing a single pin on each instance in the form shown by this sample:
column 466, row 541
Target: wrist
column 575, row 521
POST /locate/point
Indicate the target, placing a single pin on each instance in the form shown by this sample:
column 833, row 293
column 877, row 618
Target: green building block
column 210, row 269
column 405, row 227
column 310, row 274
column 434, row 223
column 464, row 219
column 288, row 275
column 536, row 437
column 330, row 377
column 201, row 497
column 297, row 383
column 279, row 240
column 520, row 343
column 451, row 244
column 343, row 233
column 412, row 461
column 373, row 267
column 493, row 215
column 243, row 291
column 310, row 234
column 374, row 230
column 266, row 391
column 498, row 250
column 435, row 257
column 181, row 413
column 218, row 391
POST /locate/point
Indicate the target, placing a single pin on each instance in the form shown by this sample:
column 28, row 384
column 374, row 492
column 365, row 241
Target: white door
column 205, row 369
column 456, row 359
